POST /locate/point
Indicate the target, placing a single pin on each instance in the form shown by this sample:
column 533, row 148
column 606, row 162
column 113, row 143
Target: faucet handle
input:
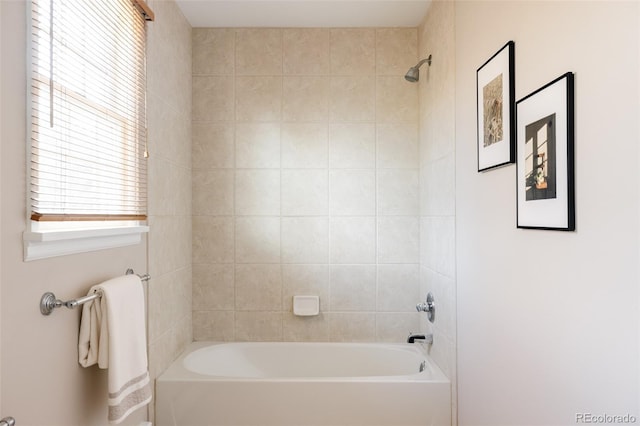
column 424, row 307
column 429, row 307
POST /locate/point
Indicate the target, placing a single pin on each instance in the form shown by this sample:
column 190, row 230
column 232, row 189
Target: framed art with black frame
column 495, row 89
column 545, row 163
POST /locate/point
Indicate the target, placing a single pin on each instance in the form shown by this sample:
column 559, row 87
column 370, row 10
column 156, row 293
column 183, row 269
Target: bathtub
column 303, row 384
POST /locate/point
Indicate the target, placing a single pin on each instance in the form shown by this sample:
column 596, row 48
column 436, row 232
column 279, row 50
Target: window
column 88, row 128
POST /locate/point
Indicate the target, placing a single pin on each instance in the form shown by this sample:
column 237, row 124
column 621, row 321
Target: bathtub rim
column 177, row 372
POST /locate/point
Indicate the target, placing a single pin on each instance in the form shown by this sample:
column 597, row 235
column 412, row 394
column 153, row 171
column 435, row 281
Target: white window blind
column 88, row 132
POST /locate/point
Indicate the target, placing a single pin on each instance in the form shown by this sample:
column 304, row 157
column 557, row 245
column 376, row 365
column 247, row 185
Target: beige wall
column 548, row 321
column 42, row 382
column 437, row 182
column 305, row 159
column 169, row 123
column 2, row 13
column 1, row 138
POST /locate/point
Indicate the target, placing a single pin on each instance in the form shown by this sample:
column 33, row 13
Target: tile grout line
column 235, row 182
column 282, row 100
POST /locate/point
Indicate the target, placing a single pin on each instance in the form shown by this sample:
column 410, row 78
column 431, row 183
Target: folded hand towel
column 113, row 335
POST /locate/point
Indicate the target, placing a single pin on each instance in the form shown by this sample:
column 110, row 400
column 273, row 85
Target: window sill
column 45, row 244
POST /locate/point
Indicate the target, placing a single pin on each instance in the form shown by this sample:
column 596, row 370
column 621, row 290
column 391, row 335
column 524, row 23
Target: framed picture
column 496, row 119
column 545, row 174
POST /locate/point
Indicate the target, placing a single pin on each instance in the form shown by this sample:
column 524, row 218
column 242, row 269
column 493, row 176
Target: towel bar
column 49, row 301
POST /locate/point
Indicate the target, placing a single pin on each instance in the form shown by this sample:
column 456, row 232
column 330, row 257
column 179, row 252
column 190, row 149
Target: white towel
column 113, row 335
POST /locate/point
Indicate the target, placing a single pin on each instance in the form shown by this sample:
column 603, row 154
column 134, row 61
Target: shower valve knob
column 423, row 307
column 429, row 307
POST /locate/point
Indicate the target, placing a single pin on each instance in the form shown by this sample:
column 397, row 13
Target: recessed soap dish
column 306, row 306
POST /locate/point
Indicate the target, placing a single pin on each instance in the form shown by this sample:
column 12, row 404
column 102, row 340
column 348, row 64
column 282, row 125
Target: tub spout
column 428, row 338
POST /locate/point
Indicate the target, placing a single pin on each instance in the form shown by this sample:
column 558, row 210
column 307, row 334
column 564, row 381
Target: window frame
column 45, row 239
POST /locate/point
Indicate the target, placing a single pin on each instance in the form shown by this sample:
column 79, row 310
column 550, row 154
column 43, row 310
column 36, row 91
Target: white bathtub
column 303, row 384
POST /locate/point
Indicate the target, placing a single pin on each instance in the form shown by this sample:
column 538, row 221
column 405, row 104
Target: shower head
column 413, row 74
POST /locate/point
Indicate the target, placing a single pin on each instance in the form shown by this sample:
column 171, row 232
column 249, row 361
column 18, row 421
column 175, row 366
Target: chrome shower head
column 413, row 74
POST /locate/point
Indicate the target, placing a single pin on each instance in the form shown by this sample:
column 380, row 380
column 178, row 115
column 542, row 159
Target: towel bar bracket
column 8, row 421
column 48, row 303
column 143, row 278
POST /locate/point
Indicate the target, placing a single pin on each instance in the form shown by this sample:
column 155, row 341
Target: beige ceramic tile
column 257, row 192
column 181, row 136
column 258, row 326
column 396, row 50
column 353, row 240
column 213, row 51
column 443, row 289
column 305, row 280
column 169, row 243
column 184, row 334
column 304, row 145
column 183, row 293
column 353, row 288
column 258, row 98
column 305, row 329
column 182, row 242
column 258, row 288
column 395, row 327
column 352, row 98
column 259, row 51
column 306, row 51
column 305, row 240
column 213, row 239
column 396, row 100
column 213, row 98
column 182, row 192
column 438, row 187
column 215, row 326
column 398, row 192
column 304, row 192
column 437, row 132
column 397, row 146
column 169, row 131
column 162, row 187
column 305, row 98
column 213, row 287
column 258, row 240
column 167, row 301
column 258, row 145
column 161, row 309
column 213, row 192
column 352, row 327
column 398, row 239
column 169, row 57
column 398, row 288
column 213, row 145
column 159, row 119
column 443, row 352
column 169, row 240
column 437, row 240
column 160, row 353
column 352, row 146
column 352, row 51
column 352, row 192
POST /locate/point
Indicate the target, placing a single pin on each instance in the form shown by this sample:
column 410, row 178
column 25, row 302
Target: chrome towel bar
column 49, row 301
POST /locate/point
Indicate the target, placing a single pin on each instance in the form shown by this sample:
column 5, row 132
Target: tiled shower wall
column 305, row 181
column 437, row 182
column 169, row 124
